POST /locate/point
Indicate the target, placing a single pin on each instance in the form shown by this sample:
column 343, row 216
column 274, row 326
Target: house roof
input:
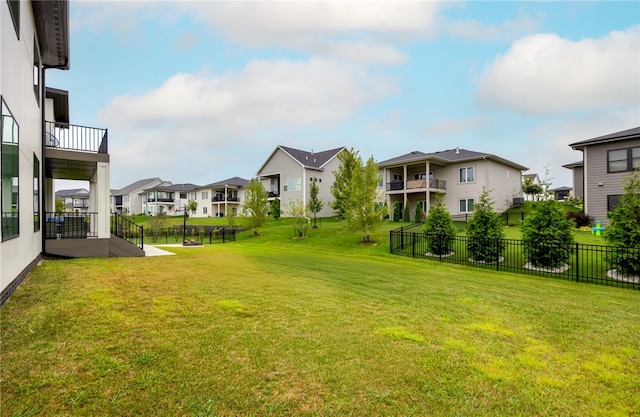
column 138, row 185
column 234, row 182
column 574, row 165
column 447, row 156
column 612, row 137
column 313, row 160
column 60, row 104
column 532, row 176
column 562, row 189
column 176, row 187
column 75, row 192
column 52, row 26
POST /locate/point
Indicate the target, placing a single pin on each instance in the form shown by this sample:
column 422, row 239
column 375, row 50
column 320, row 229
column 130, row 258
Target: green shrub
column 276, row 211
column 396, row 211
column 547, row 235
column 406, row 215
column 418, row 215
column 623, row 231
column 485, row 231
column 439, row 229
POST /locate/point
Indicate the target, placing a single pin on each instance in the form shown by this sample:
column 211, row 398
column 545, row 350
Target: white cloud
column 544, row 74
column 453, row 126
column 473, row 29
column 198, row 115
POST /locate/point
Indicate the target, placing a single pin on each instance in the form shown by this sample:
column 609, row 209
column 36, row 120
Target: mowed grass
column 318, row 326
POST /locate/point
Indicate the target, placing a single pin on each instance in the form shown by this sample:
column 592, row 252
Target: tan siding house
column 607, row 161
column 459, row 174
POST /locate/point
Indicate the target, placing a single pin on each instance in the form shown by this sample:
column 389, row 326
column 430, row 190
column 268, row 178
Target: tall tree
column 363, row 210
column 315, row 204
column 341, row 188
column 255, row 204
column 300, row 214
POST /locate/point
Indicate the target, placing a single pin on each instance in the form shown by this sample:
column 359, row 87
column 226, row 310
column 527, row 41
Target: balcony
column 73, row 152
column 421, row 184
column 221, row 199
column 70, row 225
column 160, row 200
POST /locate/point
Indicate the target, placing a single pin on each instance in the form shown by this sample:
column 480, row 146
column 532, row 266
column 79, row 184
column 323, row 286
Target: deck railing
column 70, row 225
column 76, row 138
column 127, row 230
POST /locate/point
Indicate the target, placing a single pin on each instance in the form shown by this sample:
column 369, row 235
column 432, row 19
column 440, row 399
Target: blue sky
column 202, row 91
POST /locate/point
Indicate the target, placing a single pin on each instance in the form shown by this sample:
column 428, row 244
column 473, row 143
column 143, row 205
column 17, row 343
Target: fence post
column 223, row 229
column 413, row 245
column 391, row 241
column 497, row 254
column 522, row 215
column 577, row 262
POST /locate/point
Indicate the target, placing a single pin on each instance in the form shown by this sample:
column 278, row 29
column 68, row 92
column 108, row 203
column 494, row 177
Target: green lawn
column 317, row 326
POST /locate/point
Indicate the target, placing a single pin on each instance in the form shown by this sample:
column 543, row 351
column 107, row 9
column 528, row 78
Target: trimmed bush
column 623, row 231
column 547, row 235
column 406, row 215
column 439, row 228
column 580, row 219
column 418, row 216
column 396, row 211
column 485, row 231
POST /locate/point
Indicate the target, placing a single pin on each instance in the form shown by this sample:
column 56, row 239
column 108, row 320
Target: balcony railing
column 273, row 194
column 218, row 199
column 438, row 184
column 399, row 185
column 160, row 200
column 76, row 138
column 70, row 225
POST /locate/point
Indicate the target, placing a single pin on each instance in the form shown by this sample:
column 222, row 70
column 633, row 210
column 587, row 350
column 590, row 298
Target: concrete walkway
column 154, row 250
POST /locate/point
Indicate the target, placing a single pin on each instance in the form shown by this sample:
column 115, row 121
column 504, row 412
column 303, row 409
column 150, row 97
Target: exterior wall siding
column 578, row 182
column 595, row 166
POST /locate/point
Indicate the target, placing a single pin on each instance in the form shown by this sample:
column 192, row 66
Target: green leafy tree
column 363, row 210
column 192, row 206
column 231, row 218
column 531, row 188
column 439, row 228
column 157, row 224
column 341, row 187
column 60, row 207
column 406, row 214
column 255, row 205
column 547, row 235
column 315, row 204
column 300, row 215
column 418, row 215
column 276, row 212
column 623, row 231
column 485, row 231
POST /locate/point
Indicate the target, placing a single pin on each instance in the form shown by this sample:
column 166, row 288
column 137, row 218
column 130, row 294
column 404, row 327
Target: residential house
column 578, row 174
column 561, row 193
column 288, row 173
column 166, row 198
column 459, row 175
column 39, row 146
column 221, row 197
column 606, row 162
column 75, row 200
column 535, row 180
column 129, row 200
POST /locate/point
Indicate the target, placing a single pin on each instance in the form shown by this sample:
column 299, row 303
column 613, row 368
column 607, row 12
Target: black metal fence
column 586, row 263
column 70, row 225
column 192, row 234
column 127, row 230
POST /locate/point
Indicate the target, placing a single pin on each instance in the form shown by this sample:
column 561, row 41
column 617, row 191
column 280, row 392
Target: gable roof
column 312, row 160
column 611, row 137
column 138, row 185
column 234, row 182
column 447, row 156
column 167, row 186
column 573, row 165
column 75, row 192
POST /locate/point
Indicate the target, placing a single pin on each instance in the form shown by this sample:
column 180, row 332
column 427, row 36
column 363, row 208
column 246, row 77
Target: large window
column 621, row 160
column 14, row 9
column 466, row 205
column 36, row 70
column 467, row 174
column 36, row 193
column 293, row 184
column 612, row 202
column 10, row 183
column 205, row 195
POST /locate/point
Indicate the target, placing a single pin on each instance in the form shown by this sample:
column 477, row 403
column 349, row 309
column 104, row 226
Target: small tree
column 485, row 231
column 396, row 211
column 363, row 211
column 341, row 187
column 418, row 215
column 531, row 188
column 231, row 218
column 275, row 208
column 157, row 224
column 315, row 204
column 60, row 207
column 623, row 231
column 547, row 235
column 192, row 206
column 406, row 214
column 255, row 204
column 300, row 214
column 439, row 228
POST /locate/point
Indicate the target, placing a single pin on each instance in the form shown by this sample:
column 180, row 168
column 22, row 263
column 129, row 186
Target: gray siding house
column 458, row 174
column 606, row 162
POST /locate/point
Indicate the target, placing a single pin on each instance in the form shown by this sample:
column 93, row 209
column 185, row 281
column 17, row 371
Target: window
column 398, row 177
column 466, row 205
column 193, row 196
column 420, row 176
column 125, row 198
column 14, row 9
column 612, row 202
column 621, row 160
column 205, row 195
column 36, row 70
column 204, row 210
column 292, row 184
column 36, row 193
column 467, row 174
column 183, row 195
column 10, row 170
